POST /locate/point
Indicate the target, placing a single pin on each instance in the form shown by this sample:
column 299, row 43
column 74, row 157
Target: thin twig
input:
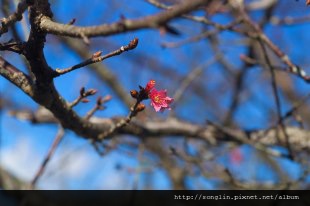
column 277, row 100
column 123, row 122
column 264, row 40
column 190, row 78
column 286, row 115
column 138, row 170
column 289, row 20
column 284, row 58
column 57, row 140
column 287, row 69
column 16, row 47
column 98, row 106
column 243, row 139
column 199, row 19
column 134, row 110
column 97, row 58
column 203, row 35
column 103, row 149
column 59, row 136
column 257, row 34
column 82, row 97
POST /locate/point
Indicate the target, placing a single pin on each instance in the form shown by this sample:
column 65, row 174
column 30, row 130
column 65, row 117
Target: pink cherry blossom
column 159, row 100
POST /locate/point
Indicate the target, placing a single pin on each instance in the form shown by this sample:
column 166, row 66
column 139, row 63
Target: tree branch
column 98, row 58
column 153, row 21
column 17, row 77
column 299, row 138
column 16, row 16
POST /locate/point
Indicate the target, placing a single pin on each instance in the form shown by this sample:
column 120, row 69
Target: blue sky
column 23, row 145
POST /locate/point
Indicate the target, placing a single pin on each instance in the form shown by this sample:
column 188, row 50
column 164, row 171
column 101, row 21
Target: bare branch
column 97, row 58
column 57, row 140
column 82, row 97
column 98, row 106
column 125, row 25
column 16, row 16
column 17, row 77
column 102, row 71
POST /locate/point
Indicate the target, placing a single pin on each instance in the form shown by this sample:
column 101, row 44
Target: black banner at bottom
column 152, row 198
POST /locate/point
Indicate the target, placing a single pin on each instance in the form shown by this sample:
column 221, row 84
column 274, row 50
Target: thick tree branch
column 125, row 25
column 17, row 77
column 43, row 90
column 299, row 138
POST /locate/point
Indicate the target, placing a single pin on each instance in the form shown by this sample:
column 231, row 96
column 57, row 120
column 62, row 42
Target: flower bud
column 107, row 98
column 90, row 92
column 140, row 107
column 134, row 43
column 134, row 94
column 85, row 100
column 99, row 101
column 97, row 54
column 82, row 91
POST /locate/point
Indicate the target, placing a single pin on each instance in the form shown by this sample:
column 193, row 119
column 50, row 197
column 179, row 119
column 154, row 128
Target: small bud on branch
column 134, row 94
column 140, row 107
